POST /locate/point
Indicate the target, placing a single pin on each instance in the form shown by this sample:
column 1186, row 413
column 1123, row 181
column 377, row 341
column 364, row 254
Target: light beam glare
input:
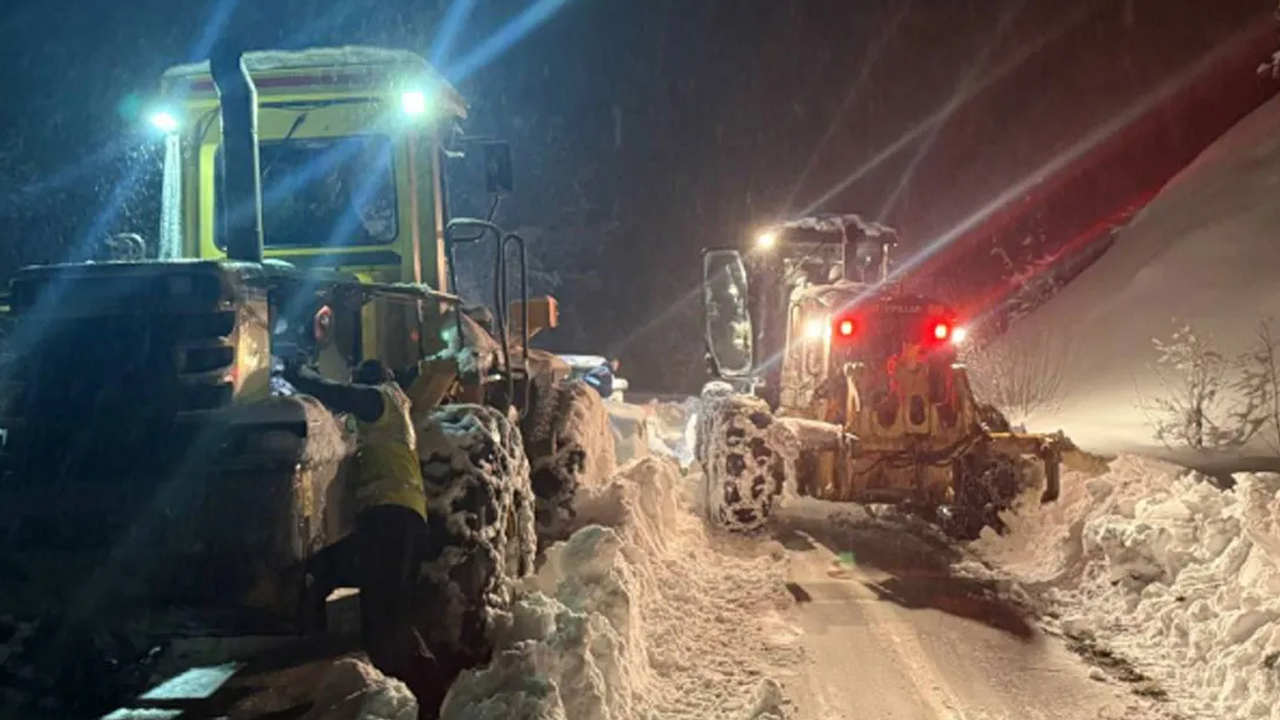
column 506, row 37
column 963, row 89
column 66, row 176
column 213, row 27
column 873, row 56
column 455, row 18
column 923, row 126
column 1073, row 153
column 28, row 333
column 319, row 27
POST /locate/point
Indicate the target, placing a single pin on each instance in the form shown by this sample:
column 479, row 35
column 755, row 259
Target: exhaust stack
column 242, row 189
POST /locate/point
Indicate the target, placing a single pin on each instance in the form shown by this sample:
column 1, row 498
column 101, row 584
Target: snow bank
column 637, row 616
column 1203, row 253
column 352, row 689
column 1163, row 567
column 672, row 428
column 343, row 688
column 631, row 431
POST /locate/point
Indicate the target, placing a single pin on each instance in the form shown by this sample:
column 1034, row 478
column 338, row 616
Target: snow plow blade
column 1048, row 448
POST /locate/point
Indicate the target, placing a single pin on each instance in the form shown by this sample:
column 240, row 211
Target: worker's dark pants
column 387, row 543
column 382, row 558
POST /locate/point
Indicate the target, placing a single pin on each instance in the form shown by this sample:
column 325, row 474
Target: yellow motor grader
column 875, row 407
column 159, row 479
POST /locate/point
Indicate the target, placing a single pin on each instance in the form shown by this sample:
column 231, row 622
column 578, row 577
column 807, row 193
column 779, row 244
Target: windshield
column 324, row 192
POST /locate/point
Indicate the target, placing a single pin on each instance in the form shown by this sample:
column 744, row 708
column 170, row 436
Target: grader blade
column 1048, row 448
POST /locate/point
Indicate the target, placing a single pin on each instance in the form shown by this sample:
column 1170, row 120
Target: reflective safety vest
column 388, row 472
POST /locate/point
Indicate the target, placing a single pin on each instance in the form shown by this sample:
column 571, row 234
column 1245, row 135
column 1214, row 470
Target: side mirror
column 498, row 176
column 727, row 318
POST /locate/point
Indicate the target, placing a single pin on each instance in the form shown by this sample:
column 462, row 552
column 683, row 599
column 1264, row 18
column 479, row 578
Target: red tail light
column 941, row 331
column 846, row 327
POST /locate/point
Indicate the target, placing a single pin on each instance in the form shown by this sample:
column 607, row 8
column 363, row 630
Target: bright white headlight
column 163, row 121
column 815, row 329
column 414, row 102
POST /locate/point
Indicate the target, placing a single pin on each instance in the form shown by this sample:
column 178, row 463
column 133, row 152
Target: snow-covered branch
column 1257, row 384
column 1211, row 401
column 1021, row 376
column 1192, row 409
column 1271, row 66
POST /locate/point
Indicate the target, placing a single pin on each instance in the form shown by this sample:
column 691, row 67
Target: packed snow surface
column 1174, row 574
column 638, row 615
column 1203, row 254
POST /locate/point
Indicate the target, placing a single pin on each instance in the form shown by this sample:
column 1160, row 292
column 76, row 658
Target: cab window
column 322, row 192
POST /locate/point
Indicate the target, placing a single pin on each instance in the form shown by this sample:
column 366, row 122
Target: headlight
column 164, row 121
column 816, row 329
column 413, row 102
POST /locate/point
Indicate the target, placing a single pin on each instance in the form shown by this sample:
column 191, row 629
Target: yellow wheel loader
column 159, row 480
column 829, row 373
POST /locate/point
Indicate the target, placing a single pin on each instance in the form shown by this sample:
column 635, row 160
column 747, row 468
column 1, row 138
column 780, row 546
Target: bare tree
column 1257, row 386
column 1192, row 409
column 1021, row 375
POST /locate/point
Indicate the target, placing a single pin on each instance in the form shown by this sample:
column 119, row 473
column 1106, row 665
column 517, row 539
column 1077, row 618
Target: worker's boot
column 429, row 680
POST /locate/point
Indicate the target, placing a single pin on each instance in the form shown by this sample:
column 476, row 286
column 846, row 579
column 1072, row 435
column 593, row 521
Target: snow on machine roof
column 838, row 223
column 346, row 68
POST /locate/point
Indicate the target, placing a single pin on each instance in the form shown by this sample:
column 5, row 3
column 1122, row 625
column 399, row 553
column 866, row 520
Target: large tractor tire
column 569, row 442
column 986, row 484
column 744, row 453
column 480, row 529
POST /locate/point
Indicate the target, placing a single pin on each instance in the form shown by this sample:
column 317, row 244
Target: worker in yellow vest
column 391, row 510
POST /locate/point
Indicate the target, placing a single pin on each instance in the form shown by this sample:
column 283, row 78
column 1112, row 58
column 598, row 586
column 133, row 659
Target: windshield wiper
column 284, row 142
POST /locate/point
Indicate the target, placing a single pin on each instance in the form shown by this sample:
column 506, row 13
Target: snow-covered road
column 895, row 625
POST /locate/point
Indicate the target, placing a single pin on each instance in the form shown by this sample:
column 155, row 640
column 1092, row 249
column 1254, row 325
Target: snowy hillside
column 1205, row 254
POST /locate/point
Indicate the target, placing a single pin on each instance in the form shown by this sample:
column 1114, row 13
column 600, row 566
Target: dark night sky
column 643, row 129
